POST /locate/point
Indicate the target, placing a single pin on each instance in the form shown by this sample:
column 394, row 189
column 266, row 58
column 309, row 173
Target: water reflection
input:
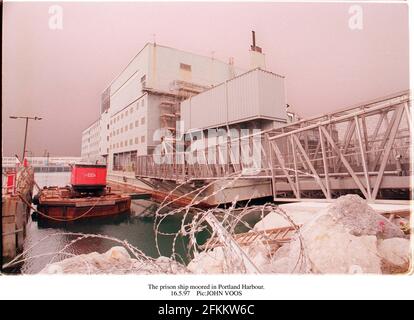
column 137, row 227
column 137, row 231
column 129, row 226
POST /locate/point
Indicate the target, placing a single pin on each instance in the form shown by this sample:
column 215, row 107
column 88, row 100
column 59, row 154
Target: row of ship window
column 90, row 144
column 131, row 126
column 121, row 130
column 88, row 136
column 131, row 142
column 126, row 113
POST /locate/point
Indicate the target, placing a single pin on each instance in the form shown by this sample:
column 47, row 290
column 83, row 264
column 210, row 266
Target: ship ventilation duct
column 257, row 57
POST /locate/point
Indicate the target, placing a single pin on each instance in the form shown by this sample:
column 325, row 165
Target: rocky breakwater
column 115, row 261
column 347, row 237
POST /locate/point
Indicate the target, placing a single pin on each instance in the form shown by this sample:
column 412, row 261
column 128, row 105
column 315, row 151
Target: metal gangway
column 364, row 149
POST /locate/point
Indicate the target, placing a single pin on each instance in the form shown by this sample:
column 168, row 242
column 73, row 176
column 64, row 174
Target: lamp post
column 47, row 155
column 25, row 133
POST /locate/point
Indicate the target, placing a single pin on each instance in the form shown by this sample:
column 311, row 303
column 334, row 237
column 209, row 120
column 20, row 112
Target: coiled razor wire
column 229, row 219
column 193, row 222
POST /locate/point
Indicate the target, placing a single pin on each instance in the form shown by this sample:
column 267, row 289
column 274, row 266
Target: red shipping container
column 11, row 182
column 88, row 176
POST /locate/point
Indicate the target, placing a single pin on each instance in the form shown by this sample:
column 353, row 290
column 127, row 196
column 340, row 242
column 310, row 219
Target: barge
column 87, row 196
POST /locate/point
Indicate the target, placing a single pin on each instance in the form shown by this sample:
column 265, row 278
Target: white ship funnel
column 257, row 57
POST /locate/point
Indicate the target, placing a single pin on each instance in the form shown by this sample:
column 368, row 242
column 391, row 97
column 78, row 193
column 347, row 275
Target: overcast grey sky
column 60, row 74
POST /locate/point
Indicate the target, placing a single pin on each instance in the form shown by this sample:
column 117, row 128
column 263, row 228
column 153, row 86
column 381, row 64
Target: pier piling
column 15, row 214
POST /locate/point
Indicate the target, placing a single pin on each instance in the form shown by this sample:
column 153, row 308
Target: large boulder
column 359, row 219
column 92, row 263
column 326, row 247
column 276, row 220
column 211, row 262
column 259, row 253
column 167, row 266
column 223, row 260
column 396, row 251
column 115, row 261
column 341, row 238
column 118, row 255
column 281, row 262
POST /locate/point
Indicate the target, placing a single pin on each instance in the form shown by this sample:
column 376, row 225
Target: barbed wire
column 193, row 223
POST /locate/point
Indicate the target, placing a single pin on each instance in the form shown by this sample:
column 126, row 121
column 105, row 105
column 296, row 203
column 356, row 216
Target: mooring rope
column 57, row 219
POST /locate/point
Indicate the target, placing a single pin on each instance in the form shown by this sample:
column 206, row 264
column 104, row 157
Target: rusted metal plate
column 94, row 204
column 61, row 203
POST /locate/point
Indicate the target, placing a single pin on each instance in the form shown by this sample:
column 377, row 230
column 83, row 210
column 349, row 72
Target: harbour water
column 136, row 230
